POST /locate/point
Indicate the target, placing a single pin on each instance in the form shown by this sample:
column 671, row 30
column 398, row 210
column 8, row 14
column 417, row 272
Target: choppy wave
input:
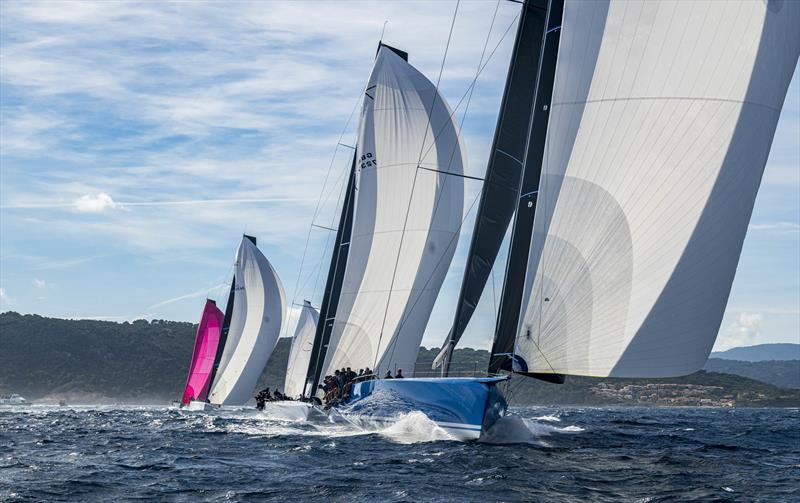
column 542, row 454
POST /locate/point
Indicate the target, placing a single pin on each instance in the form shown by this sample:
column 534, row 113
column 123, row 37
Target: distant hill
column 784, row 374
column 85, row 361
column 761, row 352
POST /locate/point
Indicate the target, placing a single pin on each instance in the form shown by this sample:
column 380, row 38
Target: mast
column 333, row 286
column 504, row 170
column 514, row 283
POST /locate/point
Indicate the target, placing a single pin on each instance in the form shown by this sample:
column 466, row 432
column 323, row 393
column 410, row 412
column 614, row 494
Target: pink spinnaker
column 205, row 350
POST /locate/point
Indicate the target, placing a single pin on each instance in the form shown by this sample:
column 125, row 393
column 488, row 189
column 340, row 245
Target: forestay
column 662, row 118
column 259, row 308
column 407, row 218
column 300, row 354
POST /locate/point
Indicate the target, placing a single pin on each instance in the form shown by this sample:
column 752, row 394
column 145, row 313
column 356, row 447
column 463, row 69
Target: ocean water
column 540, row 454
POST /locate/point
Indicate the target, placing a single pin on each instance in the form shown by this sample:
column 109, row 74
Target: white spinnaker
column 662, row 119
column 406, row 219
column 259, row 308
column 300, row 354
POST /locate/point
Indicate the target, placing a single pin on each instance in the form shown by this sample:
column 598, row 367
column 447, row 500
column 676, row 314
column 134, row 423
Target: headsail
column 662, row 118
column 409, row 206
column 259, row 308
column 300, row 354
column 205, row 348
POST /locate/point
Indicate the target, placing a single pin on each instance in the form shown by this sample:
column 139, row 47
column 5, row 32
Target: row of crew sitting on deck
column 336, row 388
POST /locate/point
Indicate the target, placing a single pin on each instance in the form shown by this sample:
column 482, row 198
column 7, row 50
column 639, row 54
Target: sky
column 138, row 141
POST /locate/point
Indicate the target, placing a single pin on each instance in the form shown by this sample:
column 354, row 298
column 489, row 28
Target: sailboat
column 300, row 351
column 630, row 145
column 296, row 407
column 244, row 337
column 402, row 214
column 206, row 342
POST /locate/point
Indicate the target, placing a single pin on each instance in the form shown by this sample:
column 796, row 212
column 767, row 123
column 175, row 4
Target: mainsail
column 259, row 308
column 662, row 118
column 408, row 211
column 300, row 354
column 205, row 348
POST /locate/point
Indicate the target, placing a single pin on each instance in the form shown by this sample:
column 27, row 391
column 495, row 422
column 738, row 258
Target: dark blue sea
column 550, row 454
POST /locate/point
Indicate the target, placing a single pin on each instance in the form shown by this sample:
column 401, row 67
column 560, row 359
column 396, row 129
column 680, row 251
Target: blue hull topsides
column 464, row 407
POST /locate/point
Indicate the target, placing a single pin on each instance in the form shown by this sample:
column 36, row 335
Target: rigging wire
column 320, row 201
column 468, row 94
column 453, row 240
column 414, row 183
column 474, row 80
column 343, row 198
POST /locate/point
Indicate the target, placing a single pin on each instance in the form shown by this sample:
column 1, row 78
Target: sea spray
column 519, row 430
column 414, row 427
column 622, row 454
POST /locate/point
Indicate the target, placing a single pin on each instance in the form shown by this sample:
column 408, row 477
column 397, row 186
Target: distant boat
column 13, row 399
column 206, row 342
column 628, row 153
column 254, row 316
column 231, row 350
column 300, row 353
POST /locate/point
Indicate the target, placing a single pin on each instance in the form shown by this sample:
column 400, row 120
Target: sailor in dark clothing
column 399, row 374
column 388, row 374
column 262, row 397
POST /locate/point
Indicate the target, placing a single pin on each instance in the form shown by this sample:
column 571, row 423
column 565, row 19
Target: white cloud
column 5, row 300
column 95, row 203
column 741, row 332
column 39, row 283
column 210, row 291
column 780, row 227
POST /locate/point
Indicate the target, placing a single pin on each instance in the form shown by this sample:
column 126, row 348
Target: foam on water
column 155, row 453
column 414, row 427
column 519, row 430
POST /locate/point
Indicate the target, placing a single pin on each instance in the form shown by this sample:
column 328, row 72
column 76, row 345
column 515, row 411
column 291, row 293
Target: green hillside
column 88, row 361
column 781, row 373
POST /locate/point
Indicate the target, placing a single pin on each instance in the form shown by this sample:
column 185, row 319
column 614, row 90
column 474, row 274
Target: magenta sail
column 205, row 349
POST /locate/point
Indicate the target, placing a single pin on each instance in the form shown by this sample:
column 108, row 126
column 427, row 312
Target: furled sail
column 408, row 211
column 300, row 354
column 662, row 118
column 205, row 348
column 259, row 308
